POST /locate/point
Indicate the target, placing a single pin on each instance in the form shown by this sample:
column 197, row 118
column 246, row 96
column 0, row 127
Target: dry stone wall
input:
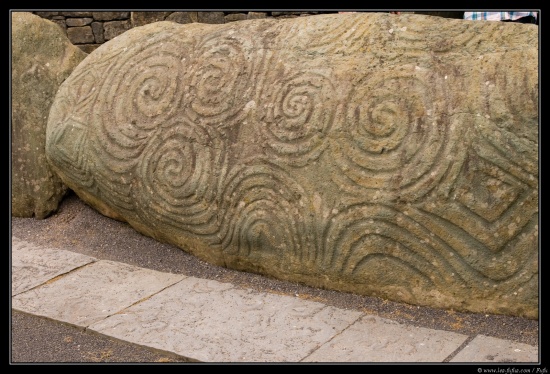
column 367, row 153
column 88, row 30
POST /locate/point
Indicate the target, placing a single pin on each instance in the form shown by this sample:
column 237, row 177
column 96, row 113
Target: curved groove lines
column 399, row 143
column 305, row 149
column 297, row 116
column 220, row 79
column 365, row 230
column 264, row 213
column 178, row 176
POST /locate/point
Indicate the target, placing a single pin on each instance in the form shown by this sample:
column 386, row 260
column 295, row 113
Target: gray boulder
column 42, row 58
column 393, row 156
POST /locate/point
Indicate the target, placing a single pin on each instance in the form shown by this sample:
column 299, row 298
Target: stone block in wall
column 47, row 15
column 76, row 14
column 144, row 18
column 80, row 35
column 115, row 28
column 211, row 17
column 110, row 16
column 78, row 22
column 183, row 17
column 286, row 14
column 235, row 17
column 62, row 25
column 256, row 15
column 97, row 29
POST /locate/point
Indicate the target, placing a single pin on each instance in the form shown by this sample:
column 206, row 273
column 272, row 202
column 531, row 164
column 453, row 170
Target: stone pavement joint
column 210, row 321
column 464, row 344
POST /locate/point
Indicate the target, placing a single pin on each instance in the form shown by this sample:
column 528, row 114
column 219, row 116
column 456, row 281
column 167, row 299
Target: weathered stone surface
column 211, row 17
column 78, row 22
column 32, row 266
column 489, row 349
column 97, row 29
column 235, row 17
column 81, row 35
column 115, row 28
column 78, row 14
column 183, row 17
column 110, row 16
column 42, row 58
column 93, row 292
column 216, row 322
column 88, row 48
column 47, row 14
column 144, row 18
column 386, row 155
column 256, row 15
column 62, row 25
column 388, row 341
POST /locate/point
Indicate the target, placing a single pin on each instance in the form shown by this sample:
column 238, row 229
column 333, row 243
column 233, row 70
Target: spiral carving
column 141, row 93
column 297, row 117
column 397, row 137
column 354, row 152
column 219, row 84
column 177, row 178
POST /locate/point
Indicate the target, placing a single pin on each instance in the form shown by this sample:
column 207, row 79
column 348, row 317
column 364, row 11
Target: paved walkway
column 210, row 321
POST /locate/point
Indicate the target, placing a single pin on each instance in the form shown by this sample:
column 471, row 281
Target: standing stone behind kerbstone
column 394, row 156
column 42, row 58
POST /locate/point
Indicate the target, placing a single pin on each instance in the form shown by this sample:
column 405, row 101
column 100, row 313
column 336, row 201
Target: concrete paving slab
column 93, row 292
column 488, row 349
column 33, row 265
column 209, row 321
column 375, row 339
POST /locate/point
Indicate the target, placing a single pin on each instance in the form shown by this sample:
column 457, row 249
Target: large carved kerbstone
column 42, row 58
column 383, row 155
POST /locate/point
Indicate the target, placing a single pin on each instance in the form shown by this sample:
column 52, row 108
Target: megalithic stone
column 393, row 156
column 42, row 57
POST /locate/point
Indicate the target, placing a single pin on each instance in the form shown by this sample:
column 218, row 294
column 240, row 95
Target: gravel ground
column 79, row 228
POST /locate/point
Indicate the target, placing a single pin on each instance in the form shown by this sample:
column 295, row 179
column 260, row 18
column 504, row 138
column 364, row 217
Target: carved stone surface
column 394, row 156
column 42, row 57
